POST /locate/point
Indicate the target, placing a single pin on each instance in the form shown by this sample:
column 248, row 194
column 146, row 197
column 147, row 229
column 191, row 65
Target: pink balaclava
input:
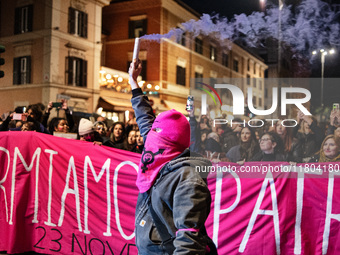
column 168, row 137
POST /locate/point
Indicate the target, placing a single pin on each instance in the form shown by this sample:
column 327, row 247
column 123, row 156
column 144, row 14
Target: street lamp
column 262, row 5
column 323, row 53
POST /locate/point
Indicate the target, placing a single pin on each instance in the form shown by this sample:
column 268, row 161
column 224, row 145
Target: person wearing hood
column 174, row 200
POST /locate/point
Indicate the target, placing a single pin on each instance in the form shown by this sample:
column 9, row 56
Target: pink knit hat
column 173, row 126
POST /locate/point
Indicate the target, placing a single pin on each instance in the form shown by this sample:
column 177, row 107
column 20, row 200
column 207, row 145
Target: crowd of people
column 304, row 142
column 36, row 117
column 239, row 142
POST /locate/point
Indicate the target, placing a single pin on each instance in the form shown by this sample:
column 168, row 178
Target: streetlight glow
column 323, row 54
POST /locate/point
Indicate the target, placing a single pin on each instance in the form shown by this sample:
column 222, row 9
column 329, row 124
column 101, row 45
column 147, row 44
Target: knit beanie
column 174, row 127
column 85, row 126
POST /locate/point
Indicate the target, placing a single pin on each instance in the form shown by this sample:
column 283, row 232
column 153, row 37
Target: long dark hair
column 249, row 149
column 287, row 138
column 123, row 137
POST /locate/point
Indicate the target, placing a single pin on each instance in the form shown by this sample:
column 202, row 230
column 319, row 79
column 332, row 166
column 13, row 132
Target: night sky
column 226, row 8
column 229, row 8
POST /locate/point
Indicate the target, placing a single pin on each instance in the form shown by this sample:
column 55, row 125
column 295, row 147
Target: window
column 22, row 70
column 235, row 66
column 225, row 59
column 260, row 102
column 137, row 28
column 77, row 22
column 260, row 84
column 248, row 66
column 248, row 79
column 254, row 100
column 254, row 82
column 213, row 53
column 76, row 71
column 181, row 38
column 213, row 81
column 180, row 75
column 23, row 19
column 198, row 79
column 266, row 73
column 199, row 45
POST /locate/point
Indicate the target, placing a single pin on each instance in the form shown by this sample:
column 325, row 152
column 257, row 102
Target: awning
column 177, row 106
column 115, row 104
column 119, row 105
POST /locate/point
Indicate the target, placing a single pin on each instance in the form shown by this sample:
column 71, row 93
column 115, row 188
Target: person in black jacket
column 118, row 136
column 139, row 143
column 271, row 147
column 309, row 137
column 174, row 200
column 59, row 124
column 230, row 137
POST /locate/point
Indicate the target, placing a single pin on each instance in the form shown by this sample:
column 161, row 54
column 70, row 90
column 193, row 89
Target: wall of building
column 48, row 44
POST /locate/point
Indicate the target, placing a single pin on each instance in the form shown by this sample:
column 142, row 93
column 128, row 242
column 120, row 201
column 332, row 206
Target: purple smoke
column 310, row 25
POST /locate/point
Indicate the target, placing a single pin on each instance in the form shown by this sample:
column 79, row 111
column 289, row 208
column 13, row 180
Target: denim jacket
column 179, row 196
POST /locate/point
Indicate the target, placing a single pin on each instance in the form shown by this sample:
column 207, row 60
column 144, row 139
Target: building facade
column 80, row 50
column 170, row 64
column 53, row 51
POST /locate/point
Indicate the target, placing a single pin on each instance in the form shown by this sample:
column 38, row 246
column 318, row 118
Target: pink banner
column 60, row 196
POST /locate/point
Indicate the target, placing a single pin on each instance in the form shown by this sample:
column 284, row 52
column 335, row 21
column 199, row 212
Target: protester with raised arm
column 174, row 200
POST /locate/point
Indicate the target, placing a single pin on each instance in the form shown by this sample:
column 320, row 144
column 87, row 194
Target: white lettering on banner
column 49, row 203
column 68, row 190
column 106, row 167
column 28, row 168
column 115, row 198
column 4, row 179
column 217, row 203
column 257, row 211
column 299, row 204
column 329, row 214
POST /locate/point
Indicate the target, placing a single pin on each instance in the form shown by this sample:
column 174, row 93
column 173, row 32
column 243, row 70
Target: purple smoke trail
column 311, row 25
